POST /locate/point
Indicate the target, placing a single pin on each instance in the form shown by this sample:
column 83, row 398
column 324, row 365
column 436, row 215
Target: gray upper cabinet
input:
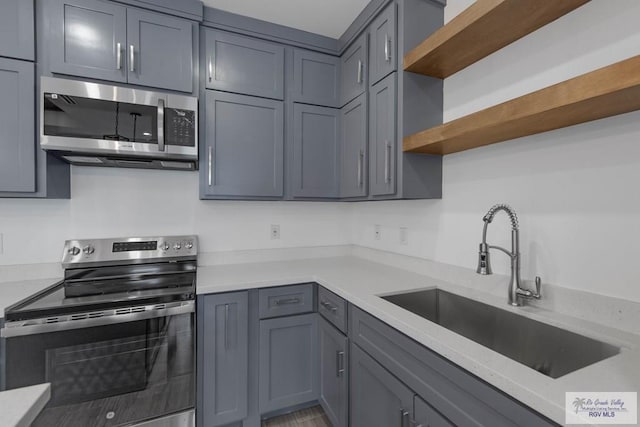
column 88, row 38
column 17, row 121
column 354, row 69
column 288, row 362
column 244, row 152
column 382, row 137
column 316, row 150
column 223, row 358
column 353, row 178
column 377, row 397
column 425, row 415
column 17, row 29
column 244, row 65
column 383, row 50
column 159, row 51
column 334, row 374
column 316, row 78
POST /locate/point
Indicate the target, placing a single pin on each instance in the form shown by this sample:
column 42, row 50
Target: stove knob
column 165, row 246
column 74, row 251
column 188, row 245
column 177, row 246
column 88, row 250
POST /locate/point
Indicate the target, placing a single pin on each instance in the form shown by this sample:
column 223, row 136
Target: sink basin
column 547, row 349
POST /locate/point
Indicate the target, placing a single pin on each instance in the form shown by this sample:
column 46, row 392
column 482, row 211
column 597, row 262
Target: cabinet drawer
column 460, row 397
column 333, row 308
column 286, row 300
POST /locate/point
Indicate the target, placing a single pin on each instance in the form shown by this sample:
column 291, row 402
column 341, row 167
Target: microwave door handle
column 160, row 124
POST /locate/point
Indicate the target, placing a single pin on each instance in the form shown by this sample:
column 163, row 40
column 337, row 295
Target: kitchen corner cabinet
column 353, row 178
column 315, row 158
column 222, row 358
column 316, row 78
column 383, row 53
column 17, row 29
column 334, row 373
column 17, row 121
column 244, row 151
column 354, row 69
column 288, row 362
column 108, row 41
column 382, row 137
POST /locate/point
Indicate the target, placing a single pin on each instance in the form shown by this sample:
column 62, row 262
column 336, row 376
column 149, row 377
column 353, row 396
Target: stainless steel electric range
column 115, row 338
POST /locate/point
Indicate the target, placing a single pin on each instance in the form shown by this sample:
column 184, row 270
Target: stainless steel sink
column 547, row 349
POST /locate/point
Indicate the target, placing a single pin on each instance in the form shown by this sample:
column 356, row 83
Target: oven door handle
column 102, row 318
column 160, row 124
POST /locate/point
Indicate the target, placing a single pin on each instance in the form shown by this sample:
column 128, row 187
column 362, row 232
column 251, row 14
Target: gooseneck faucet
column 516, row 293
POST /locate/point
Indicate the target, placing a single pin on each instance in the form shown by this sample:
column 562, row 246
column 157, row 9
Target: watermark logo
column 593, row 407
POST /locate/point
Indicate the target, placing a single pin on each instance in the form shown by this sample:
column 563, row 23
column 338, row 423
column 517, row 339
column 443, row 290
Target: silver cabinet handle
column 160, row 124
column 226, row 326
column 339, row 363
column 132, row 58
column 329, row 306
column 387, row 162
column 287, row 301
column 404, row 418
column 387, row 50
column 210, row 166
column 210, row 69
column 360, row 167
column 119, row 56
column 360, row 71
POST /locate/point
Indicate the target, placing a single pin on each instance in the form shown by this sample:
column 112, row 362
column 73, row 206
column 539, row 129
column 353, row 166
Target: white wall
column 122, row 202
column 575, row 189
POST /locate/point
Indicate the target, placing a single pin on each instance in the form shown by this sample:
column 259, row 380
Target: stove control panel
column 128, row 250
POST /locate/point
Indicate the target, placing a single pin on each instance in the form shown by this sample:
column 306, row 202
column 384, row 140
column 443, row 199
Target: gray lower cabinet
column 383, row 52
column 334, row 373
column 353, row 177
column 377, row 397
column 316, row 78
column 160, row 50
column 288, row 362
column 354, row 73
column 382, row 137
column 17, row 121
column 244, row 152
column 241, row 64
column 425, row 416
column 222, row 358
column 17, row 30
column 315, row 158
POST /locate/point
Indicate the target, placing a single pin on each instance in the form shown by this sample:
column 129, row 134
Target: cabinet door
column 353, row 177
column 354, row 72
column 88, row 38
column 316, row 146
column 383, row 53
column 16, row 29
column 377, row 397
column 426, row 416
column 159, row 50
column 17, row 122
column 316, row 78
column 288, row 362
column 223, row 354
column 334, row 375
column 245, row 142
column 244, row 65
column 382, row 137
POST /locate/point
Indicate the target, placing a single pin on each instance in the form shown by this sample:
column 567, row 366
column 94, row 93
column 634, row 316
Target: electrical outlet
column 376, row 232
column 404, row 236
column 275, row 231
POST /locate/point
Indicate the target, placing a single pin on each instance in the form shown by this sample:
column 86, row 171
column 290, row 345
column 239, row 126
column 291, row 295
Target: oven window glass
column 109, row 375
column 78, row 117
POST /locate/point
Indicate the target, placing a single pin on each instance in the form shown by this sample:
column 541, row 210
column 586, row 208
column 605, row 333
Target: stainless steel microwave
column 102, row 125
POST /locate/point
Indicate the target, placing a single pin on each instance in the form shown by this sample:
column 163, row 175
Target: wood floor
column 310, row 417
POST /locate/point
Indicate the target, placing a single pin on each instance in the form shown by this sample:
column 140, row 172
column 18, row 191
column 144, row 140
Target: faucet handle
column 537, row 295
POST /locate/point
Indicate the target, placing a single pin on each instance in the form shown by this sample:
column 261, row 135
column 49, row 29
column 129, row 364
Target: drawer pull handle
column 339, row 363
column 288, row 301
column 404, row 418
column 330, row 307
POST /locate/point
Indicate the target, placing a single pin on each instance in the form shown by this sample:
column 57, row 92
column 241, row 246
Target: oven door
column 108, row 372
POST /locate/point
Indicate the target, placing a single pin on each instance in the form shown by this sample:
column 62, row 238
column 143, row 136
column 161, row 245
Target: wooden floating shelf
column 481, row 29
column 608, row 91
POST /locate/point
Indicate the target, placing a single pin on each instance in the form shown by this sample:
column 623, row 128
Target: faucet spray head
column 484, row 262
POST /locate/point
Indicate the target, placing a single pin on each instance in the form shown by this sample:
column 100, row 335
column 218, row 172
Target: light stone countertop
column 362, row 281
column 20, row 406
